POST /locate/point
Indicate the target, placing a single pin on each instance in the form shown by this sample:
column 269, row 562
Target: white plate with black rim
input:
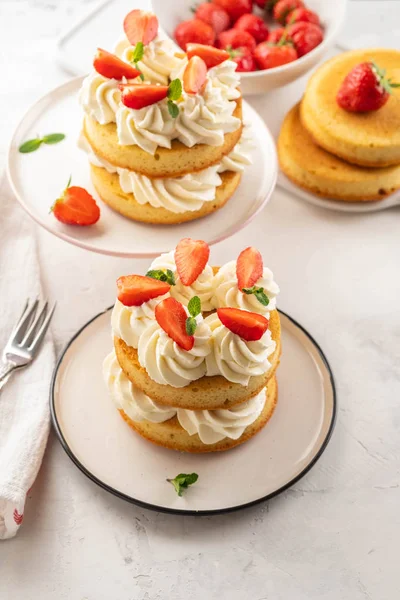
column 38, row 179
column 112, row 455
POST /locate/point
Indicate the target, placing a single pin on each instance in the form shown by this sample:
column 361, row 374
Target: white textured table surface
column 334, row 536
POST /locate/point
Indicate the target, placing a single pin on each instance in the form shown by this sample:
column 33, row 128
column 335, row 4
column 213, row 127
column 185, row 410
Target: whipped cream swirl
column 148, row 127
column 226, row 79
column 100, row 98
column 206, row 118
column 203, row 287
column 130, row 322
column 234, row 358
column 167, row 363
column 159, row 60
column 130, row 398
column 227, row 293
column 212, row 426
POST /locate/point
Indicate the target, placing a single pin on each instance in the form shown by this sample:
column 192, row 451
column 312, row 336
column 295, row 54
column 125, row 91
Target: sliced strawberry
column 140, row 26
column 195, row 75
column 76, row 207
column 247, row 325
column 139, row 95
column 249, row 267
column 112, row 67
column 171, row 317
column 211, row 56
column 134, row 290
column 191, row 257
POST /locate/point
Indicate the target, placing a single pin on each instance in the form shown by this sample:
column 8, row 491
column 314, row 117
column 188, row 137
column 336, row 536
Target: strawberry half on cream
column 246, row 284
column 135, row 306
column 192, row 273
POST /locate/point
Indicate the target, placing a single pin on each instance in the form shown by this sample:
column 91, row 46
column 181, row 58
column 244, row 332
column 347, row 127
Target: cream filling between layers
column 176, row 194
column 211, row 426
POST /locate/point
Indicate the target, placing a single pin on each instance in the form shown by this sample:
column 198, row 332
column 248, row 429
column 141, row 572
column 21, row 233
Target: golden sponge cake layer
column 174, row 162
column 109, row 189
column 207, row 393
column 323, row 174
column 369, row 139
column 171, row 435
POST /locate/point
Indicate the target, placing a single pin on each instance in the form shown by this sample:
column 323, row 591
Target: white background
column 332, row 537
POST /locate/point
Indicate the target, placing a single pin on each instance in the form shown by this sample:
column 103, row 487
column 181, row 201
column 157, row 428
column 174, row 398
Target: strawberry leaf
column 194, row 306
column 53, row 138
column 30, row 146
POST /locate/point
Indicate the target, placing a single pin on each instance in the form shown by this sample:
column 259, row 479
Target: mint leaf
column 174, row 90
column 173, row 109
column 53, row 138
column 194, row 306
column 182, row 481
column 138, row 52
column 191, row 325
column 170, row 277
column 161, row 275
column 30, row 146
column 258, row 293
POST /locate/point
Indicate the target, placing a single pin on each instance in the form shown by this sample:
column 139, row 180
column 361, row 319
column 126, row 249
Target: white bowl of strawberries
column 273, row 41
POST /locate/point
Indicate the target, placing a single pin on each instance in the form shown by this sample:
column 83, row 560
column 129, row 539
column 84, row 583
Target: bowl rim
column 326, row 42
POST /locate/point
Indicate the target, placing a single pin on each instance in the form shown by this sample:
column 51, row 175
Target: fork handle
column 5, row 371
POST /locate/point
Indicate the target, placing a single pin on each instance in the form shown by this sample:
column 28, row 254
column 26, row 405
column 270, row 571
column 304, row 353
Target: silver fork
column 25, row 339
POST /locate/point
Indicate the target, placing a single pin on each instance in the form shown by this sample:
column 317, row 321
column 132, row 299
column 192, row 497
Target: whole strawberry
column 365, row 88
column 244, row 59
column 304, row 36
column 284, row 7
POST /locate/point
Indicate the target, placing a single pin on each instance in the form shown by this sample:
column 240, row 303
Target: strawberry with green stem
column 366, row 88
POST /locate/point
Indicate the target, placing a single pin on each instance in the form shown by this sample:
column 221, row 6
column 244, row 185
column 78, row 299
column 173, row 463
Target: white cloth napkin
column 24, row 400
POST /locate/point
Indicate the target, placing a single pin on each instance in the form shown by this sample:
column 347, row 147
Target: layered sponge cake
column 193, row 365
column 324, row 174
column 163, row 130
column 371, row 138
column 342, row 141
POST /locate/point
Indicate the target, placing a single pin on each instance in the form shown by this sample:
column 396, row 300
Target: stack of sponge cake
column 338, row 154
